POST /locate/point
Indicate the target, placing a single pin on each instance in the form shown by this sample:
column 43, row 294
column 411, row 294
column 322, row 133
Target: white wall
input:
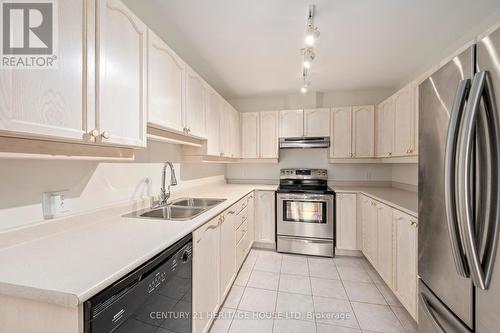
column 309, row 158
column 312, row 100
column 90, row 184
column 405, row 173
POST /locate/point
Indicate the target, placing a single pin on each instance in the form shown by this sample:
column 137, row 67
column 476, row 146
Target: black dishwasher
column 156, row 297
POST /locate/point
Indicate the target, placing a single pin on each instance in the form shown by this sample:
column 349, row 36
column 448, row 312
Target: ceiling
column 251, row 47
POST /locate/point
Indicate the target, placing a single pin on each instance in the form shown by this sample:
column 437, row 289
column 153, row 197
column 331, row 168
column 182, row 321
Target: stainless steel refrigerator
column 459, row 201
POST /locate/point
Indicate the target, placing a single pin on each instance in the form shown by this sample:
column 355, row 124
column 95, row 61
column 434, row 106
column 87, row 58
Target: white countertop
column 68, row 262
column 403, row 200
column 70, row 265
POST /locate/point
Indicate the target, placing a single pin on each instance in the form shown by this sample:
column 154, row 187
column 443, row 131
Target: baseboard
column 264, row 245
column 350, row 253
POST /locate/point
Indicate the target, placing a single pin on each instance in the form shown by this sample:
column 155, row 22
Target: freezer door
column 434, row 317
column 488, row 300
column 436, row 263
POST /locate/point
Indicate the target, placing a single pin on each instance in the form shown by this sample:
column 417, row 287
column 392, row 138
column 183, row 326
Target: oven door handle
column 305, row 197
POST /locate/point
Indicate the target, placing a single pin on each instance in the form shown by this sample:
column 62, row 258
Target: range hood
column 303, row 142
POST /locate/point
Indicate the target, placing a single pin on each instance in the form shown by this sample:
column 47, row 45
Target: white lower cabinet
column 227, row 252
column 219, row 249
column 346, row 222
column 370, row 229
column 405, row 246
column 206, row 298
column 384, row 243
column 390, row 244
column 265, row 229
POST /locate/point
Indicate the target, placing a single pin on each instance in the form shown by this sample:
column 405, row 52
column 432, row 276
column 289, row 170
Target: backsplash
column 90, row 184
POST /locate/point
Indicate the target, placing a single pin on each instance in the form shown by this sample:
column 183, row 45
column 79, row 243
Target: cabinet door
column 50, row 103
column 405, row 284
column 213, row 123
column 265, row 230
column 227, row 253
column 363, row 126
column 317, row 122
column 403, row 122
column 251, row 218
column 250, row 134
column 340, row 145
column 291, row 123
column 225, row 126
column 370, row 230
column 166, row 72
column 385, row 128
column 385, row 243
column 346, row 222
column 121, row 72
column 194, row 119
column 269, row 121
column 235, row 134
column 206, row 270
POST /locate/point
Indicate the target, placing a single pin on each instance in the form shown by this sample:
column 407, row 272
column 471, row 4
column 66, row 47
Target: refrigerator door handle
column 430, row 312
column 449, row 177
column 481, row 276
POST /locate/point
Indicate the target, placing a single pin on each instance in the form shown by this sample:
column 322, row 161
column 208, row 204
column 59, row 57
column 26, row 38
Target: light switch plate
column 54, row 204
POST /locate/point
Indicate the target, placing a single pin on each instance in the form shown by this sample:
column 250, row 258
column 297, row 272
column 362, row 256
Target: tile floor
column 278, row 293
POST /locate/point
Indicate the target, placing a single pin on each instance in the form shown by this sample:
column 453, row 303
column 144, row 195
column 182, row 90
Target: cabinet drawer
column 241, row 231
column 241, row 205
column 241, row 217
column 242, row 248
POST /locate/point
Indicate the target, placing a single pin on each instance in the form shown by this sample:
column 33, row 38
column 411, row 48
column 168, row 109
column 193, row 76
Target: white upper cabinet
column 50, row 103
column 166, row 85
column 226, row 130
column 269, row 134
column 291, row 123
column 403, row 122
column 194, row 115
column 385, row 129
column 340, row 144
column 121, row 74
column 317, row 122
column 250, row 134
column 235, row 134
column 214, row 106
column 363, row 127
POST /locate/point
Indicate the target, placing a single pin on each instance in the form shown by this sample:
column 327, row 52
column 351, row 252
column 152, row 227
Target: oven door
column 305, row 215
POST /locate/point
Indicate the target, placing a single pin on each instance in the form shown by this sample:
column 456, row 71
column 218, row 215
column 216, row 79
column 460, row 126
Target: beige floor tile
column 325, row 328
column 328, row 288
column 268, row 264
column 377, row 318
column 242, row 278
column 364, row 292
column 258, row 300
column 295, row 268
column 221, row 324
column 389, row 296
column 295, row 284
column 248, row 322
column 406, row 319
column 335, row 312
column 264, row 280
column 296, row 304
column 294, row 326
column 325, row 271
column 353, row 273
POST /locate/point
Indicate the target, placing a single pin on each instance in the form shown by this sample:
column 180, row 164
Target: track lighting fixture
column 308, row 54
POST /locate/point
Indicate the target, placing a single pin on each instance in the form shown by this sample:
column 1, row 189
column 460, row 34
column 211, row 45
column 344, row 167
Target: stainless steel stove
column 305, row 213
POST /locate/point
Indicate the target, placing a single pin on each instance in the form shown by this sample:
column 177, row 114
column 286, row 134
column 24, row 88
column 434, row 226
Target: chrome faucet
column 165, row 190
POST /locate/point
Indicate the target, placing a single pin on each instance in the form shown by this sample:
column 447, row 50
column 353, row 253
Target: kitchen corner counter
column 403, row 200
column 76, row 259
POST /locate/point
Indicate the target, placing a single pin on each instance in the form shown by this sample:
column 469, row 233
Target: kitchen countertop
column 406, row 201
column 70, row 262
column 68, row 266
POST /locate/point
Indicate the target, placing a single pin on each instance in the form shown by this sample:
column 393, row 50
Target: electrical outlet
column 54, row 204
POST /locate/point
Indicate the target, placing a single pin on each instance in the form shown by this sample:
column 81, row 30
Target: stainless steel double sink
column 182, row 209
